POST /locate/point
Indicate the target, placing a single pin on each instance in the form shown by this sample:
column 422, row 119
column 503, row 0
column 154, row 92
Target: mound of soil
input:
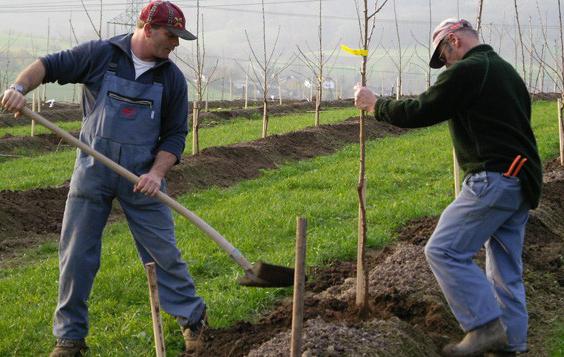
column 41, row 211
column 217, row 116
column 392, row 337
column 409, row 316
column 546, row 96
column 62, row 112
column 25, row 216
column 15, row 146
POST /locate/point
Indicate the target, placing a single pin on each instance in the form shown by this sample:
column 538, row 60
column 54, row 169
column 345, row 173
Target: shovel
column 261, row 274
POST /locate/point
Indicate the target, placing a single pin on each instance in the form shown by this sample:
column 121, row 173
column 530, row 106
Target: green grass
column 55, row 168
column 556, row 339
column 25, row 130
column 408, row 176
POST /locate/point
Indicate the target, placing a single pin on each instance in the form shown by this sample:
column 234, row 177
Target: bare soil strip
column 37, row 214
column 409, row 314
column 11, row 147
column 73, row 112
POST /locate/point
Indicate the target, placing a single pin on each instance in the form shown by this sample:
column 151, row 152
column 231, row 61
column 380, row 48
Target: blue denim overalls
column 124, row 125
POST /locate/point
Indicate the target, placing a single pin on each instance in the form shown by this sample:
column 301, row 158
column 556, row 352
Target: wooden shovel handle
column 163, row 197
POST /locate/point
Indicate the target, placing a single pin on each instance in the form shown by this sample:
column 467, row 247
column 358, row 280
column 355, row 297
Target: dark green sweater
column 489, row 112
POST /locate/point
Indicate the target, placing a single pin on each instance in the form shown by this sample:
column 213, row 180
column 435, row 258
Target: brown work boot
column 488, row 337
column 69, row 348
column 194, row 336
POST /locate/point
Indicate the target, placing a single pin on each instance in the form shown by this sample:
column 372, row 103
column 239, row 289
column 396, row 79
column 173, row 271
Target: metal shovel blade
column 266, row 275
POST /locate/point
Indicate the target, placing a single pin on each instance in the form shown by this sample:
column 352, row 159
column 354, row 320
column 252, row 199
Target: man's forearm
column 32, row 76
column 163, row 163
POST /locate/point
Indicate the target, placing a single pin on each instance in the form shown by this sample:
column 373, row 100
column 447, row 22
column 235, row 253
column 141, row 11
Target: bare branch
column 99, row 33
column 377, row 10
column 257, row 60
column 273, row 48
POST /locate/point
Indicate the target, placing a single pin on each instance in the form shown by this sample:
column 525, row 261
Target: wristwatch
column 17, row 87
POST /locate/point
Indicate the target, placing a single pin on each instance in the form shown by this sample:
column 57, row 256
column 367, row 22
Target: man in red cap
column 135, row 112
column 488, row 109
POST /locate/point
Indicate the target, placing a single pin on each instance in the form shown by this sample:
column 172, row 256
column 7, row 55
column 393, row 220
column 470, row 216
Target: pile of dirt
column 409, row 316
column 29, row 214
column 41, row 211
column 391, row 337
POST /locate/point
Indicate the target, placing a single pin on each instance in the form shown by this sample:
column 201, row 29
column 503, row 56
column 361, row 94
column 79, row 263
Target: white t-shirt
column 140, row 65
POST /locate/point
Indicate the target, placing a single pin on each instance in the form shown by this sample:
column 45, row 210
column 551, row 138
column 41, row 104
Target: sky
column 225, row 22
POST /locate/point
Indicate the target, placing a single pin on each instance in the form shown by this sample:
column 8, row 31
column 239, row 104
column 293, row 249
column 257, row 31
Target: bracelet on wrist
column 17, row 87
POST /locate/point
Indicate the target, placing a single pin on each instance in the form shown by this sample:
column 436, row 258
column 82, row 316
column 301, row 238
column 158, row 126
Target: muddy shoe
column 69, row 348
column 489, row 337
column 194, row 336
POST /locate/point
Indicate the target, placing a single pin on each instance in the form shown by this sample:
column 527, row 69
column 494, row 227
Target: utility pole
column 127, row 20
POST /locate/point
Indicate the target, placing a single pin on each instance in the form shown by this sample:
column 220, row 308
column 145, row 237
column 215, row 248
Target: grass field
column 408, row 176
column 55, row 168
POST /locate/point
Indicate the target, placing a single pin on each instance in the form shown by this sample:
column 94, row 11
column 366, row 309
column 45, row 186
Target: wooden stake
column 264, row 119
column 456, row 170
column 561, row 131
column 311, row 92
column 230, row 87
column 337, row 89
column 38, row 103
column 299, row 286
column 279, row 91
column 361, row 273
column 246, row 89
column 33, row 109
column 44, row 93
column 195, row 127
column 151, row 270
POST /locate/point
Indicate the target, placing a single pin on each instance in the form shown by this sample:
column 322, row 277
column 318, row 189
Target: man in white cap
column 488, row 109
column 135, row 112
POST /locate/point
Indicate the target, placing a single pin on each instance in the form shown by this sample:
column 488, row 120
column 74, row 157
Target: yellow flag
column 358, row 52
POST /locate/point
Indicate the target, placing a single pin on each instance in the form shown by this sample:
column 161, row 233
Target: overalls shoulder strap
column 112, row 67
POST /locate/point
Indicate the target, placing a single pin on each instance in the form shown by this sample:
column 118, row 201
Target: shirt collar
column 477, row 49
column 123, row 42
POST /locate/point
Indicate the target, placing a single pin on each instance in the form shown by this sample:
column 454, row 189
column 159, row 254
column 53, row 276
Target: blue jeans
column 490, row 211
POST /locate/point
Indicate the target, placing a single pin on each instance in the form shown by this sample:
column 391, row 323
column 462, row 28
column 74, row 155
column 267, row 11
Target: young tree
column 424, row 62
column 316, row 64
column 521, row 40
column 201, row 82
column 366, row 28
column 99, row 30
column 268, row 68
column 399, row 63
column 73, row 43
column 479, row 18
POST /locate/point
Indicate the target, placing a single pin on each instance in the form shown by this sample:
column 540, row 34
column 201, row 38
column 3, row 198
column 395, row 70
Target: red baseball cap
column 446, row 27
column 165, row 13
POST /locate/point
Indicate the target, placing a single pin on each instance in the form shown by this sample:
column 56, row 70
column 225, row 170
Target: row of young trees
column 536, row 54
column 545, row 60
